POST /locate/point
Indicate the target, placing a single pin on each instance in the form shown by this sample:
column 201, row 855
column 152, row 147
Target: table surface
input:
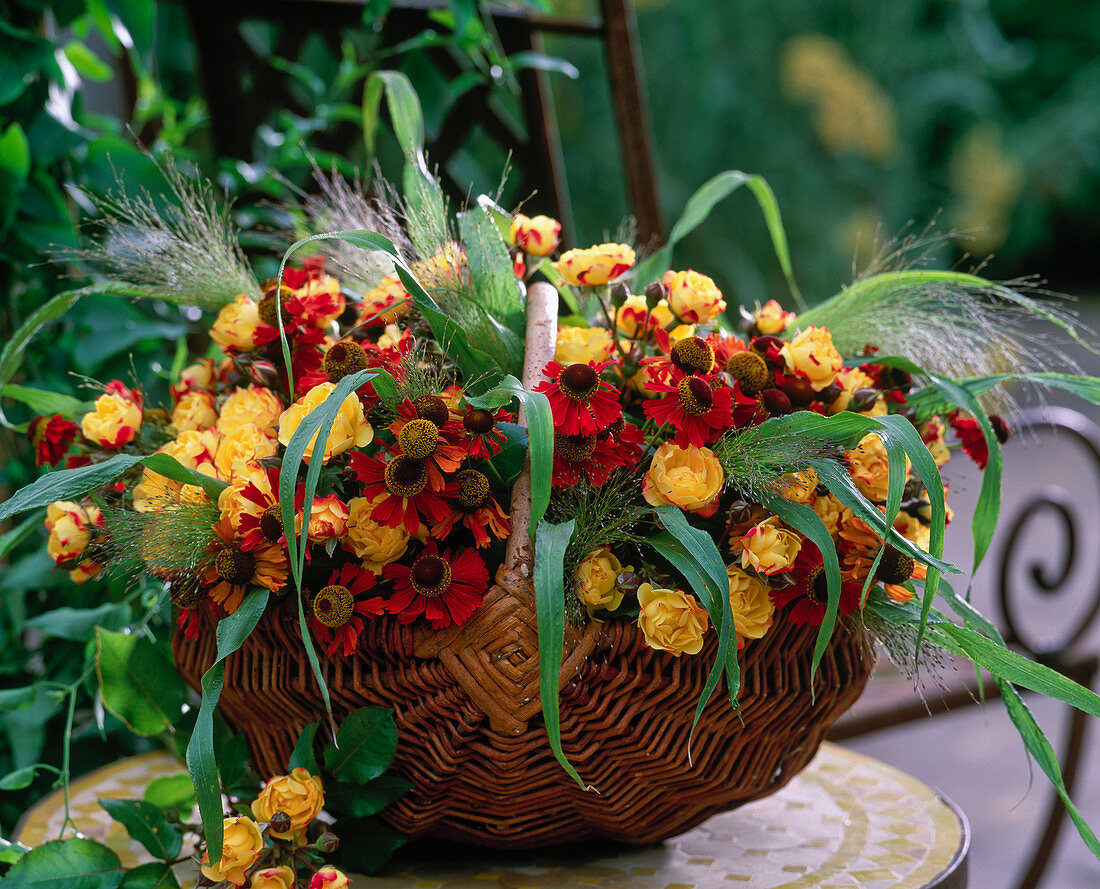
column 848, row 820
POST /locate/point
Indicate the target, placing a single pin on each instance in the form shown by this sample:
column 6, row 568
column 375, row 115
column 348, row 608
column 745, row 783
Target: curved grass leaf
column 540, row 436
column 807, row 523
column 21, row 532
column 551, row 542
column 170, row 467
column 202, row 763
column 698, row 208
column 67, row 484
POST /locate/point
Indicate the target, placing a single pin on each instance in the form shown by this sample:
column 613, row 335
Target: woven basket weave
column 466, row 703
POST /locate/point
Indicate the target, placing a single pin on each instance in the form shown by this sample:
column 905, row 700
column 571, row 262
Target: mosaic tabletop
column 847, row 820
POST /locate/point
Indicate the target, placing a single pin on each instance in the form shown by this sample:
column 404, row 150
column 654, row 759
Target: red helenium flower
column 698, row 410
column 809, row 592
column 338, row 612
column 445, row 590
column 582, row 403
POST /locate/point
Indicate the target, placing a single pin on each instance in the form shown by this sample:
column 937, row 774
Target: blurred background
column 868, row 119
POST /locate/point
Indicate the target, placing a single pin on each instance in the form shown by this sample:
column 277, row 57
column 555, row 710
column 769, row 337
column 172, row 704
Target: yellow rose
column 869, row 467
column 256, row 404
column 663, row 317
column 192, row 448
column 595, row 265
column 385, row 303
column 769, row 548
column 114, row 422
column 328, row 877
column 849, row 379
column 299, row 795
column 770, row 318
column 232, row 503
column 751, row 603
column 235, row 325
column 831, row 512
column 85, row 571
column 201, row 375
column 632, row 316
column 194, row 410
column 241, row 845
column 595, row 581
column 812, row 355
column 693, row 297
column 579, row 345
column 328, row 518
column 913, row 529
column 537, row 236
column 797, row 486
column 691, row 478
column 272, row 878
column 934, row 434
column 247, row 442
column 350, row 429
column 374, row 543
column 70, row 526
column 671, row 620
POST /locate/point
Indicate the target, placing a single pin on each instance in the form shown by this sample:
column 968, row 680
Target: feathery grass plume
column 182, row 245
column 925, row 668
column 343, row 205
column 754, row 458
column 951, row 323
column 603, row 515
column 168, row 541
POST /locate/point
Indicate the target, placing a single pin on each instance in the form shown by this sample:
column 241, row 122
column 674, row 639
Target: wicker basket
column 466, row 702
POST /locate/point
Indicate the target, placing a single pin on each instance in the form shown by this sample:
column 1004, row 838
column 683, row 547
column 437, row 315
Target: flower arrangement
column 372, row 435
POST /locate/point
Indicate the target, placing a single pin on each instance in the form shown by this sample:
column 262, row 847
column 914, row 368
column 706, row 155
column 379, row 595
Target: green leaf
column 147, row 825
column 155, row 875
column 170, row 467
column 67, row 484
column 201, row 759
column 22, row 778
column 86, row 62
column 375, row 843
column 807, row 523
column 303, row 757
column 542, row 62
column 138, row 681
column 698, row 208
column 540, row 436
column 551, row 542
column 17, row 698
column 171, row 792
column 1084, row 387
column 365, row 746
column 362, row 800
column 78, row 624
column 66, row 864
column 15, row 164
column 21, row 532
column 46, row 403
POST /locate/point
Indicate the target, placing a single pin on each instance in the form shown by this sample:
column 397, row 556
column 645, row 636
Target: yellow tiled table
column 847, row 821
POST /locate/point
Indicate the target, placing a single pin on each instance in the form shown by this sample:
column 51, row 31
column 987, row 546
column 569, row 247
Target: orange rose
column 328, row 878
column 350, row 428
column 769, row 548
column 328, row 518
column 233, row 504
column 385, row 303
column 537, row 236
column 272, row 878
column 770, row 319
column 299, row 795
column 691, row 478
column 235, row 325
column 849, row 379
column 114, row 422
column 255, row 404
column 797, row 486
column 693, row 297
column 812, row 355
column 193, row 448
column 671, row 620
column 194, row 410
column 596, row 265
column 241, row 845
column 376, row 544
column 869, row 467
column 751, row 603
column 246, row 442
column 831, row 512
column 579, row 345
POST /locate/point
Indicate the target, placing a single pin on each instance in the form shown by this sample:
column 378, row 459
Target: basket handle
column 542, row 333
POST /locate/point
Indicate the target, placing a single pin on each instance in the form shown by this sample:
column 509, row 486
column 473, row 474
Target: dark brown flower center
column 430, row 576
column 817, row 586
column 186, row 592
column 267, row 306
column 432, row 407
column 479, row 422
column 750, row 370
column 419, row 438
column 473, row 489
column 343, row 359
column 696, row 396
column 333, row 605
column 271, row 522
column 895, row 566
column 574, row 448
column 579, row 381
column 405, row 476
column 693, row 355
column 235, row 566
